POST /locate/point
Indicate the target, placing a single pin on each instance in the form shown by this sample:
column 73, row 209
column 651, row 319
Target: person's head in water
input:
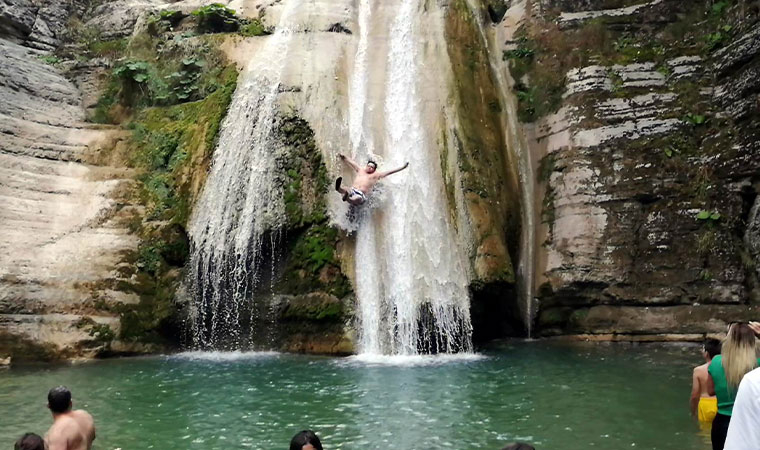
column 305, row 440
column 371, row 166
column 29, row 441
column 738, row 352
column 59, row 399
column 710, row 348
column 519, row 446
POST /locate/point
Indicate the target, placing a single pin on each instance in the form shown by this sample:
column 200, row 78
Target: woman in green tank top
column 738, row 357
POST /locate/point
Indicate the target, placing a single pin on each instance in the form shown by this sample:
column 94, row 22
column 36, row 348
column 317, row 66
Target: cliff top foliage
column 543, row 52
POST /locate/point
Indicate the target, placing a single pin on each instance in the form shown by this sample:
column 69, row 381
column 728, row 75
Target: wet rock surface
column 650, row 175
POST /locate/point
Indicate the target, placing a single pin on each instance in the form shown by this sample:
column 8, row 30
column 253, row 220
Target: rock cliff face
column 644, row 117
column 60, row 216
column 639, row 120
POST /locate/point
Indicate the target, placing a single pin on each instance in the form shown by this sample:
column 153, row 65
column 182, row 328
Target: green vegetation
column 166, row 140
column 216, row 18
column 107, row 48
column 695, row 119
column 306, row 172
column 544, row 53
column 314, row 309
column 254, row 28
column 542, row 57
column 166, row 20
column 140, row 79
column 313, row 264
column 50, row 59
column 172, row 93
column 102, row 333
column 708, row 215
column 546, row 167
column 316, row 248
column 547, row 208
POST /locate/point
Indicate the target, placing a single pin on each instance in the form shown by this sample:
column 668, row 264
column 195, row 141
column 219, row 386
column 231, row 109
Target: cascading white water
column 241, row 201
column 410, row 278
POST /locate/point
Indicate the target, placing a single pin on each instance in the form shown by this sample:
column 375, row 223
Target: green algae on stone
column 486, row 166
column 173, row 136
column 314, row 307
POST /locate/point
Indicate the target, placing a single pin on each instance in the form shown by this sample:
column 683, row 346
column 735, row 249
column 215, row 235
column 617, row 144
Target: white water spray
column 411, row 282
column 241, row 202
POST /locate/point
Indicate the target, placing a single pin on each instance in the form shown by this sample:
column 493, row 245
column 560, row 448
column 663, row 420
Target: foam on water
column 223, row 356
column 371, row 359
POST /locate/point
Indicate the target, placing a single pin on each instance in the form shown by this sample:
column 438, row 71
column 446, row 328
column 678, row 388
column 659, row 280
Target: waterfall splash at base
column 410, row 278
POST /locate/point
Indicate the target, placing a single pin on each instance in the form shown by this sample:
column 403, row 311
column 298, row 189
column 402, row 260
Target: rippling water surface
column 556, row 396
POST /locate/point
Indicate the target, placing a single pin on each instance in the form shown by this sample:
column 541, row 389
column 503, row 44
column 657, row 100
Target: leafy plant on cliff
column 165, row 20
column 50, row 59
column 134, row 76
column 708, row 215
column 216, row 18
column 254, row 28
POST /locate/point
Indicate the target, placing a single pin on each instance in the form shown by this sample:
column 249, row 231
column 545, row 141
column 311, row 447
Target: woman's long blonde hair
column 739, row 353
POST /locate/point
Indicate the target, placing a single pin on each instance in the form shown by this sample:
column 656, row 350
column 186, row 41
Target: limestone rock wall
column 61, row 231
column 647, row 162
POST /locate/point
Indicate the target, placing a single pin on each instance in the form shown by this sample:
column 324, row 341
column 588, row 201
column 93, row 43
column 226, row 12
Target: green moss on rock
column 315, row 307
column 174, row 131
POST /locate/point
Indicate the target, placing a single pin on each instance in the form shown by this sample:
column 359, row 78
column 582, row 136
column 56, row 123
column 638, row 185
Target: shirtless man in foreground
column 703, row 405
column 71, row 430
column 364, row 180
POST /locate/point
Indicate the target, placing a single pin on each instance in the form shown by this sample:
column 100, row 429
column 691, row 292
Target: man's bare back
column 700, row 376
column 73, row 430
column 364, row 180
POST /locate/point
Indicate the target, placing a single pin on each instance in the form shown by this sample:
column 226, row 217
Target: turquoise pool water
column 557, row 396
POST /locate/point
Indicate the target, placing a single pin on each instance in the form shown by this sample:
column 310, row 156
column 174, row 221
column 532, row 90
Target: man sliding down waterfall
column 364, row 180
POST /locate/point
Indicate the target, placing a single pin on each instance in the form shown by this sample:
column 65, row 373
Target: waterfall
column 410, row 278
column 241, row 202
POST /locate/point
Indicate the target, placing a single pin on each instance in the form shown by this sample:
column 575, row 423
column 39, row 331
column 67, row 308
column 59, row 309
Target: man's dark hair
column 303, row 438
column 59, row 399
column 30, row 441
column 519, row 446
column 372, row 162
column 712, row 347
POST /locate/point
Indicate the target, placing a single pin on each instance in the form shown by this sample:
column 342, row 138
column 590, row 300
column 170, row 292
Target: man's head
column 519, row 446
column 59, row 399
column 711, row 348
column 30, row 441
column 305, row 440
column 371, row 166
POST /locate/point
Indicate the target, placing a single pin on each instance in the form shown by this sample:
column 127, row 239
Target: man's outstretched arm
column 391, row 172
column 350, row 162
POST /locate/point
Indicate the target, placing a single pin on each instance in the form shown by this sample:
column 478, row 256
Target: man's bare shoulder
column 701, row 369
column 63, row 424
column 81, row 414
